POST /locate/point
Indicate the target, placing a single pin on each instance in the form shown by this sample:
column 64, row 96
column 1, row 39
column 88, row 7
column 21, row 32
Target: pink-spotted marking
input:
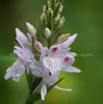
column 54, row 49
column 21, row 52
column 66, row 59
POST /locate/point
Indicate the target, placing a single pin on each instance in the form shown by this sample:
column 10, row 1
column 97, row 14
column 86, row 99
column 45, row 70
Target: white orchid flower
column 15, row 71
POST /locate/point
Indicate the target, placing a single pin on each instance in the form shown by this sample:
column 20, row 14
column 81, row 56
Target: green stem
column 32, row 84
column 28, row 102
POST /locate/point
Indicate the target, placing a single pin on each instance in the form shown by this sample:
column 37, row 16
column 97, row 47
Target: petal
column 45, row 51
column 29, row 37
column 69, row 41
column 34, row 65
column 68, row 60
column 18, row 68
column 8, row 75
column 20, row 37
column 53, row 64
column 35, row 68
column 24, row 54
column 56, row 87
column 51, row 79
column 43, row 91
column 16, row 78
column 36, row 73
column 27, row 68
column 38, row 87
column 72, row 54
column 71, row 69
column 15, row 71
column 58, row 51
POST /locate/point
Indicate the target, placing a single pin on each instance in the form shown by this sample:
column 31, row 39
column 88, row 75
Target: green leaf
column 54, row 84
column 34, row 97
column 4, row 59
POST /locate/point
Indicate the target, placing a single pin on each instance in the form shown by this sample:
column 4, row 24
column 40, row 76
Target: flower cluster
column 52, row 61
column 53, row 48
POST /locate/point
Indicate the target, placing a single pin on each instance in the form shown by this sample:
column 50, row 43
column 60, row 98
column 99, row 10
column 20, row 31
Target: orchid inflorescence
column 43, row 53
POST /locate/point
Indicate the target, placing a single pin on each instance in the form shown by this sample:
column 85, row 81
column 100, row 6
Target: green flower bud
column 42, row 17
column 48, row 4
column 47, row 32
column 56, row 19
column 44, row 8
column 62, row 20
column 60, row 9
column 49, row 11
column 63, row 38
column 56, row 6
column 31, row 29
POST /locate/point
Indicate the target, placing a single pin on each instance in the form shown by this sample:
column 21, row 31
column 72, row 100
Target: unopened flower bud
column 60, row 9
column 48, row 4
column 56, row 6
column 63, row 38
column 47, row 32
column 31, row 29
column 42, row 17
column 38, row 46
column 56, row 20
column 49, row 11
column 62, row 20
column 44, row 8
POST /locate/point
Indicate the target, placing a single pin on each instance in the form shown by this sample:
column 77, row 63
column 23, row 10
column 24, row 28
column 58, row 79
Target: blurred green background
column 84, row 17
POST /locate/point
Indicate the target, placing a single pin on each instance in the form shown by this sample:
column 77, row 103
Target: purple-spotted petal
column 68, row 61
column 24, row 54
column 15, row 71
column 53, row 64
column 58, row 51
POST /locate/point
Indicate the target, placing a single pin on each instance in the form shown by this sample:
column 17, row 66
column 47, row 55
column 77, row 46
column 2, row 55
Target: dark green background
column 84, row 17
